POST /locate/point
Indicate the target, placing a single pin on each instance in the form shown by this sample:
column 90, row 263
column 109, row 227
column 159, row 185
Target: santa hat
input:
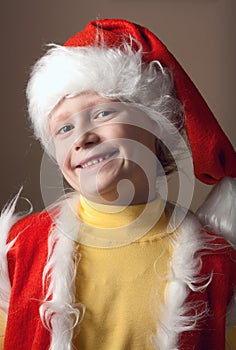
column 213, row 154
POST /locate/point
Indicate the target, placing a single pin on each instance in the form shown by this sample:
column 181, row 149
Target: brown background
column 200, row 33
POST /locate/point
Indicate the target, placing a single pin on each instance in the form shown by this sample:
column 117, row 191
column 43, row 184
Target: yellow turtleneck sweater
column 2, row 328
column 122, row 287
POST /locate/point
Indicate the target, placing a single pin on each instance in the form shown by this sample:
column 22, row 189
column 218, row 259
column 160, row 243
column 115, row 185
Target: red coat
column 26, row 262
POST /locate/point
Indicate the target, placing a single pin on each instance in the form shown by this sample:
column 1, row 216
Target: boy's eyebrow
column 60, row 116
column 88, row 105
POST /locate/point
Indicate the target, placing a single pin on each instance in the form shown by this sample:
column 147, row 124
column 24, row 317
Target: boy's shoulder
column 217, row 252
column 23, row 245
column 31, row 226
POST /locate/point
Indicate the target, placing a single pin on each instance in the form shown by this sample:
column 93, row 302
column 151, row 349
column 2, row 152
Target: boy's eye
column 103, row 114
column 65, row 129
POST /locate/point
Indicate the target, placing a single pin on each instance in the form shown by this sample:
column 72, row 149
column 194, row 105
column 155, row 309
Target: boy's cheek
column 74, row 183
column 61, row 159
column 62, row 152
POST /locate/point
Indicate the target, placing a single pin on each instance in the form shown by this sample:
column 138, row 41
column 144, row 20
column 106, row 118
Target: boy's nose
column 86, row 140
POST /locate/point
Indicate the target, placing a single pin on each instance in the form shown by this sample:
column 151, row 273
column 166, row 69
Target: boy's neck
column 123, row 198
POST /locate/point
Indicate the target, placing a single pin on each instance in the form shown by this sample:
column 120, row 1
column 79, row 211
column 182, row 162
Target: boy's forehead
column 83, row 104
column 74, row 104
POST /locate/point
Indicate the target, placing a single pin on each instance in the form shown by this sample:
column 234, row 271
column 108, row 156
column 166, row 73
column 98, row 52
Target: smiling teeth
column 95, row 161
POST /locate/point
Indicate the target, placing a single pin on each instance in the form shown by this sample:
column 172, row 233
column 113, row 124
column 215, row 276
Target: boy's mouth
column 95, row 160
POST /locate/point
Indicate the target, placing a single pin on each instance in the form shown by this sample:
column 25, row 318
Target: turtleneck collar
column 148, row 219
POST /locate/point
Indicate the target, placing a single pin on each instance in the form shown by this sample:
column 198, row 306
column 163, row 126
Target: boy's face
column 99, row 142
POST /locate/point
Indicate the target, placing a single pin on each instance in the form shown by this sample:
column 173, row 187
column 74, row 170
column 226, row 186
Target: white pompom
column 218, row 212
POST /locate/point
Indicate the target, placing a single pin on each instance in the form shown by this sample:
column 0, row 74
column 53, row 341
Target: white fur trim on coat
column 7, row 220
column 59, row 312
column 183, row 277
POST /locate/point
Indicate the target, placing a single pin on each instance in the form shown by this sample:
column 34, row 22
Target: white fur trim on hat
column 113, row 73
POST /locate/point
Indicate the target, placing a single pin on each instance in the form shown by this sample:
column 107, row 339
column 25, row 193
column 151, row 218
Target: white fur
column 112, row 72
column 7, row 220
column 218, row 212
column 59, row 312
column 184, row 269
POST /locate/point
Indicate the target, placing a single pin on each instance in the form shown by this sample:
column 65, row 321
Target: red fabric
column 210, row 333
column 26, row 263
column 27, row 259
column 213, row 155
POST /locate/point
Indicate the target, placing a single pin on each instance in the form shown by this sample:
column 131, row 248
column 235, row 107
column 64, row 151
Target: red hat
column 213, row 154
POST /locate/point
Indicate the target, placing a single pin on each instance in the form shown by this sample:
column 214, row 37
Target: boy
column 113, row 266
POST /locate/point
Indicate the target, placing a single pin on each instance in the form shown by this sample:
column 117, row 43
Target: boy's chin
column 101, row 186
column 117, row 193
column 99, row 194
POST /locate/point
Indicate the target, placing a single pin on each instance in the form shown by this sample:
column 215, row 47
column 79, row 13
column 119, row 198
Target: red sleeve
column 220, row 263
